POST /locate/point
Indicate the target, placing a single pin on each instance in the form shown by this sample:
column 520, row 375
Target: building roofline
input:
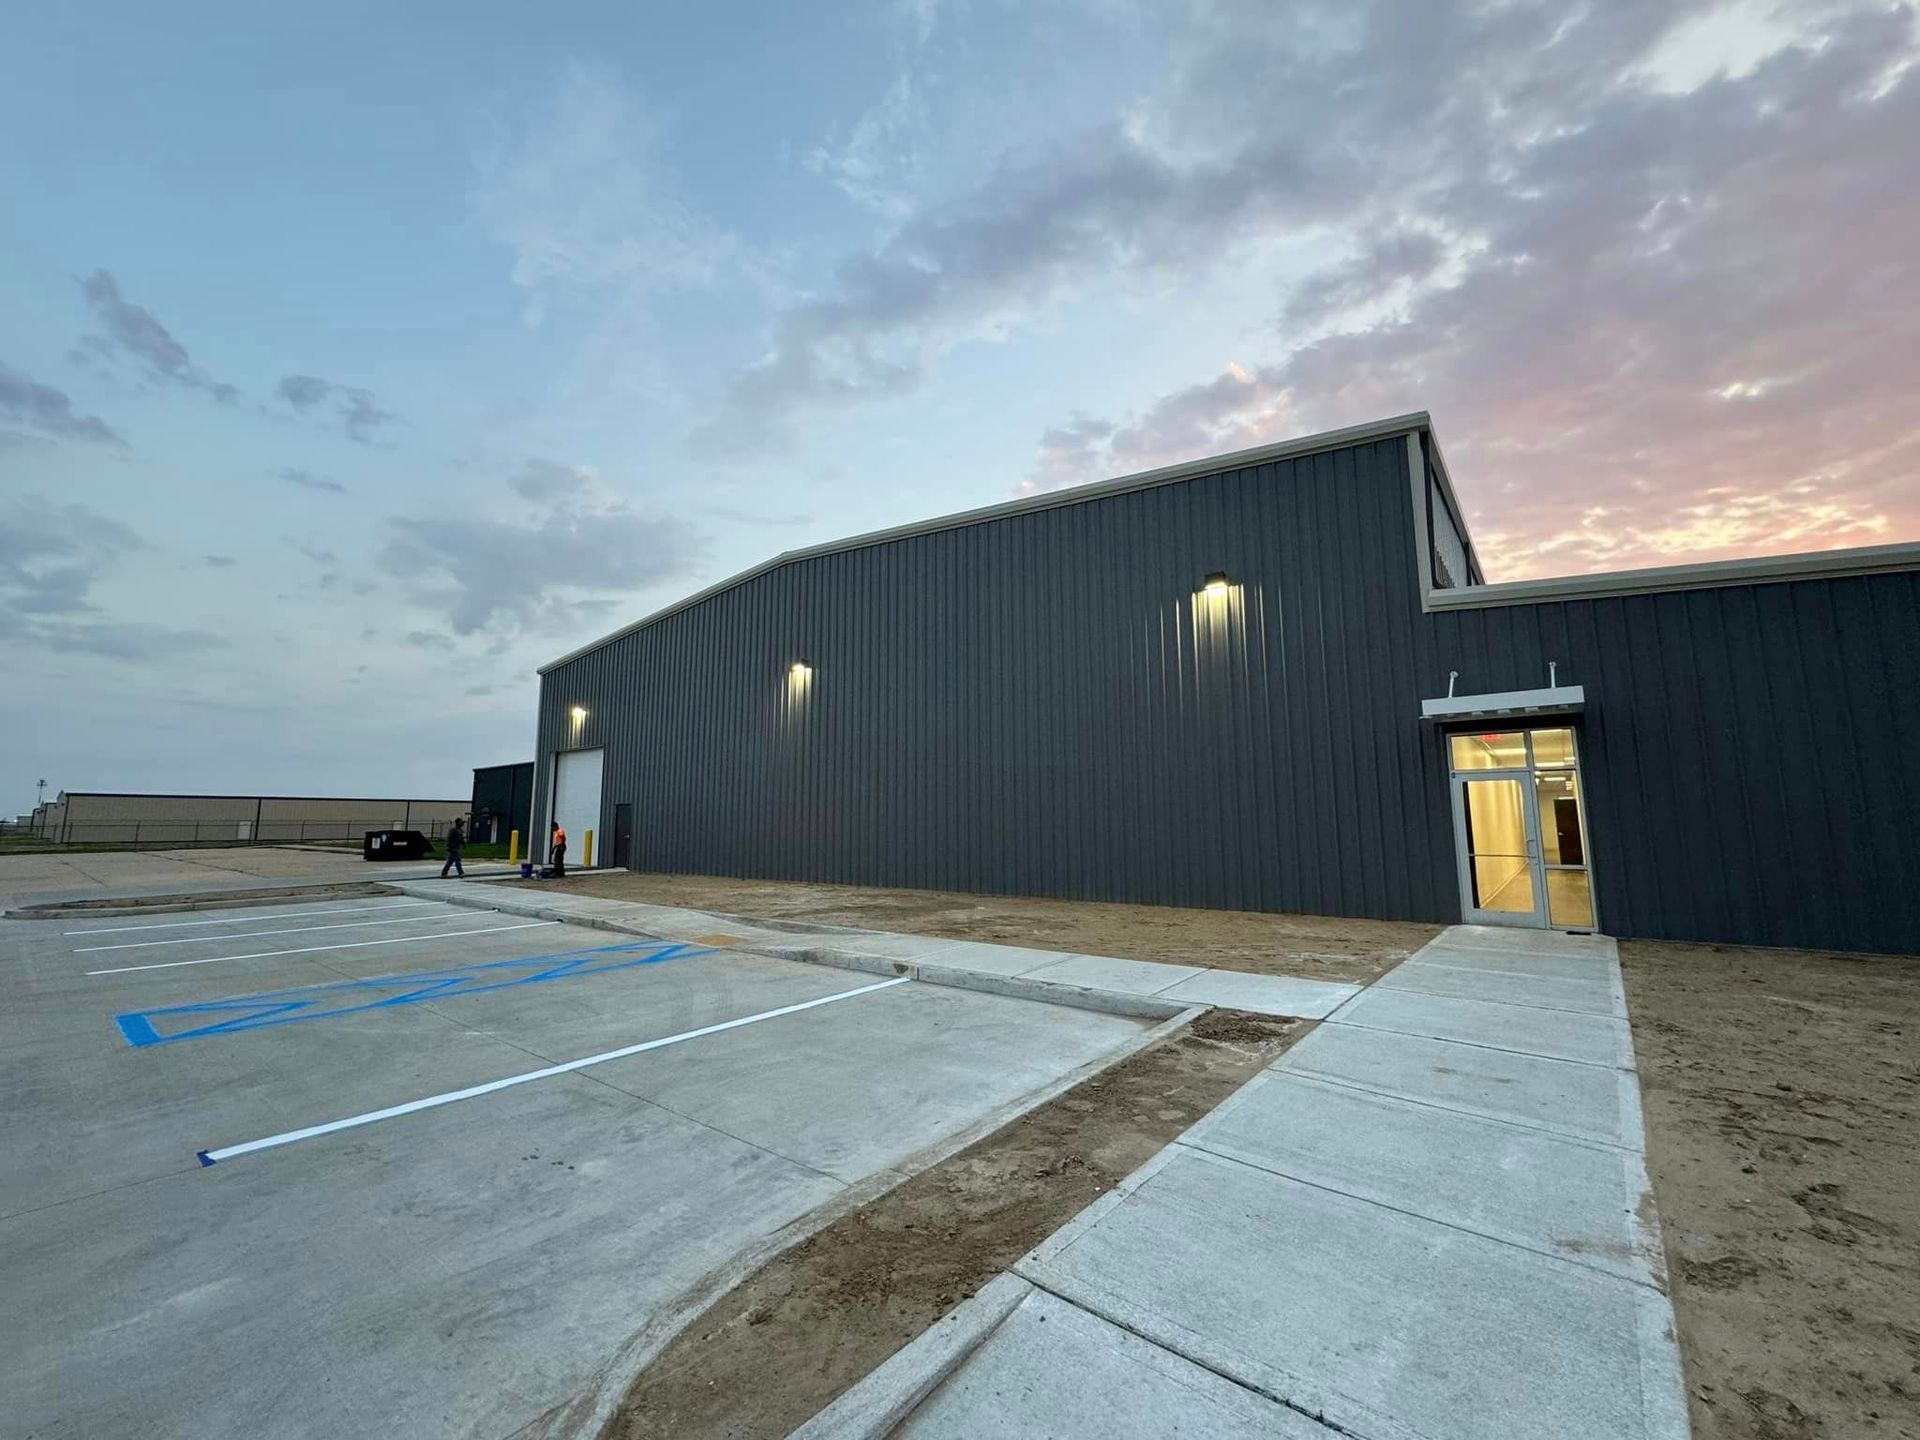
column 187, row 795
column 1757, row 570
column 1415, row 422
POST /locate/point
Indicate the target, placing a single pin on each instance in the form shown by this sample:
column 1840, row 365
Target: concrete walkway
column 1102, row 982
column 1429, row 1220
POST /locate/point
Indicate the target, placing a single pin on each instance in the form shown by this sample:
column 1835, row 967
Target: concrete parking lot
column 228, row 1212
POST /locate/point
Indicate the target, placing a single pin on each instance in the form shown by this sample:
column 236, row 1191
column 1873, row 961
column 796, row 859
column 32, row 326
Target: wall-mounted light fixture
column 800, row 670
column 1217, row 583
column 579, row 713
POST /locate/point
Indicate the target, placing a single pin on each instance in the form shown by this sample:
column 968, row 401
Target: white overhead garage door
column 576, row 802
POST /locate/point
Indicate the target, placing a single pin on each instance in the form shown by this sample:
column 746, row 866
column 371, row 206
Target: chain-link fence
column 162, row 834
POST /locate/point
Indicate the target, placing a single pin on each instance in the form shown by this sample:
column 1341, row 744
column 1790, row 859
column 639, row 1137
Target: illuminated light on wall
column 1217, row 599
column 579, row 713
column 799, row 689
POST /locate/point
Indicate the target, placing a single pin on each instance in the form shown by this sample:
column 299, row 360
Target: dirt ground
column 1782, row 1094
column 1315, row 947
column 820, row 1316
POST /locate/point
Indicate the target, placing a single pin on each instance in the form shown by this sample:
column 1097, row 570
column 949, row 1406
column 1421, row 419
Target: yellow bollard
column 586, row 854
column 513, row 847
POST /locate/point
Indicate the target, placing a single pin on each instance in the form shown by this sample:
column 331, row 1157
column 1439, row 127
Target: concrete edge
column 213, row 900
column 1052, row 992
column 1075, row 997
column 876, row 1405
column 618, row 1374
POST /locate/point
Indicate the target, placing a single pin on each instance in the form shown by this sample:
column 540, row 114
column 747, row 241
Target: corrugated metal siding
column 1753, row 765
column 1037, row 705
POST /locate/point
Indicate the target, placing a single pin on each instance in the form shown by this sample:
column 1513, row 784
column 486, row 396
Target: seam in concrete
column 1542, row 1126
column 1314, row 1077
column 95, row 1194
column 1405, row 989
column 1236, row 1157
column 1334, row 1427
column 1482, row 1045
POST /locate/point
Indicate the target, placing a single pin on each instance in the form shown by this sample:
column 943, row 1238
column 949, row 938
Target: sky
column 356, row 360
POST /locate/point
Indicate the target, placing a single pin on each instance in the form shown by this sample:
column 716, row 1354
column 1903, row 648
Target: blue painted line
column 138, row 1030
column 321, row 1002
column 204, row 1158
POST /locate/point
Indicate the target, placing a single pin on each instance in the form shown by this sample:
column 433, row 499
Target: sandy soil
column 817, row 1318
column 1316, row 947
column 1782, row 1093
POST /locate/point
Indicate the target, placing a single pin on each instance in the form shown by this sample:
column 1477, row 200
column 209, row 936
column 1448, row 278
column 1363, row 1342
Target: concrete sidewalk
column 1429, row 1220
column 1134, row 987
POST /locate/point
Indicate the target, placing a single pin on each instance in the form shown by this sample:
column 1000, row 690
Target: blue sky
column 354, row 362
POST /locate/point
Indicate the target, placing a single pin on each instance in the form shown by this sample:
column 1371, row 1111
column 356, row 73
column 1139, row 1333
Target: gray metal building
column 502, row 803
column 1273, row 680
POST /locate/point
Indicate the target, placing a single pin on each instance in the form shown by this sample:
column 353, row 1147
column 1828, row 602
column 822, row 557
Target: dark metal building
column 502, row 802
column 1274, row 680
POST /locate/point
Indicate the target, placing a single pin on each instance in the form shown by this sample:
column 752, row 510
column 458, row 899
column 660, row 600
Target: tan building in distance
column 93, row 817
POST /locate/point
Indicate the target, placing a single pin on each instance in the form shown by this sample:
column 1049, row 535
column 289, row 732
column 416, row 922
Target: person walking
column 558, row 851
column 456, row 842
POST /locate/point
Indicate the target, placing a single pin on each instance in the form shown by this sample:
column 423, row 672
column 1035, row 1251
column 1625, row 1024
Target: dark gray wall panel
column 1028, row 706
column 1037, row 705
column 1752, row 760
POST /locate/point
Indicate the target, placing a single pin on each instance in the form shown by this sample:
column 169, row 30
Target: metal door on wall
column 1519, row 824
column 623, row 837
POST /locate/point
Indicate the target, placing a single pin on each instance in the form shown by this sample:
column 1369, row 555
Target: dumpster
column 395, row 845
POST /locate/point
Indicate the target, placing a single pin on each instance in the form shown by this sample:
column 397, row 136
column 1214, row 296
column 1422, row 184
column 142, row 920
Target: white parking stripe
column 316, row 949
column 287, row 1137
column 249, row 919
column 249, row 934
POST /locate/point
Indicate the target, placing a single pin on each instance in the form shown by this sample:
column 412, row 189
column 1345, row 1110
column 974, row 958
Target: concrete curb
column 877, row 1405
column 587, row 1415
column 1075, row 997
column 112, row 906
column 213, row 900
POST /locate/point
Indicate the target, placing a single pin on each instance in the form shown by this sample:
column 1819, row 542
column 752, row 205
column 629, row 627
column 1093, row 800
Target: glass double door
column 1520, row 830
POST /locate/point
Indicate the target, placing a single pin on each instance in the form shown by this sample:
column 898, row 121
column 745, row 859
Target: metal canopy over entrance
column 1520, row 829
column 1507, row 704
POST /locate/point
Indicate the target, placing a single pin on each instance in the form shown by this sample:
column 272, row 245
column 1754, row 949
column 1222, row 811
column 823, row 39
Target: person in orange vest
column 558, row 851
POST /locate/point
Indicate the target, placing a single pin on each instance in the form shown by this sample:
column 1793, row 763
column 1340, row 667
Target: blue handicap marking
column 170, row 1023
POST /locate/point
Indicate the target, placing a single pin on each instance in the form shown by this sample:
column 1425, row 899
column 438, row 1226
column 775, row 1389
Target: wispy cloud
column 586, row 203
column 50, row 558
column 307, row 480
column 132, row 335
column 572, row 548
column 355, row 411
column 42, row 411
